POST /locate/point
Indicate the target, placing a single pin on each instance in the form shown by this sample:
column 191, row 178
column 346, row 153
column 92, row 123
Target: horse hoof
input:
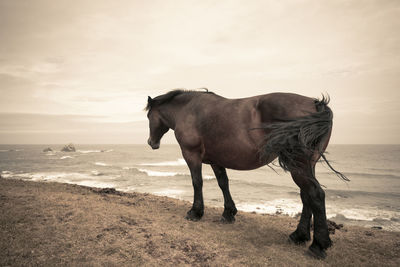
column 193, row 219
column 227, row 219
column 228, row 216
column 297, row 239
column 316, row 252
column 192, row 216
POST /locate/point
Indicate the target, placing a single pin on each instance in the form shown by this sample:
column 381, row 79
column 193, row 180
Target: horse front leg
column 229, row 206
column 194, row 163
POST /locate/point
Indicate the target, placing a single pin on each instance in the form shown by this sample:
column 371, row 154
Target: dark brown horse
column 245, row 134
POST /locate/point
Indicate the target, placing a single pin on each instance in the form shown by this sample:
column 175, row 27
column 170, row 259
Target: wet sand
column 61, row 224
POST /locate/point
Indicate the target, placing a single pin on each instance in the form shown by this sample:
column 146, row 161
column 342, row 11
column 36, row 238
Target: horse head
column 156, row 125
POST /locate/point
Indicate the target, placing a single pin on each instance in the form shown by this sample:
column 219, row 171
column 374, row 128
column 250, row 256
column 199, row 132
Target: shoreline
column 50, row 223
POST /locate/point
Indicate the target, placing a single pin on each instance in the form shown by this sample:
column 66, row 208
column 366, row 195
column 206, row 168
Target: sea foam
column 88, row 151
column 65, row 177
column 166, row 174
column 285, row 206
column 159, row 173
column 96, row 173
column 101, row 164
column 7, row 174
column 178, row 162
column 94, row 151
column 66, row 157
column 362, row 214
column 174, row 193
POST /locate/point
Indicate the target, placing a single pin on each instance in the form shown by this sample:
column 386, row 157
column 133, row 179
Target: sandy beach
column 62, row 224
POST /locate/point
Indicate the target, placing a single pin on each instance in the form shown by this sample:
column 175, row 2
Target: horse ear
column 149, row 103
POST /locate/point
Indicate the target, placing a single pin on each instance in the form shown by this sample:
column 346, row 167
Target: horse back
column 226, row 129
column 284, row 106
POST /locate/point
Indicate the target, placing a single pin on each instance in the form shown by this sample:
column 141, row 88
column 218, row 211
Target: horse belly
column 237, row 157
column 228, row 141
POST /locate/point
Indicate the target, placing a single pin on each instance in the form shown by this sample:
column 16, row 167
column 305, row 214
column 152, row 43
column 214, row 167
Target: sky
column 81, row 71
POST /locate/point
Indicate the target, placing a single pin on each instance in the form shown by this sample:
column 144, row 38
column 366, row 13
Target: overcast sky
column 80, row 71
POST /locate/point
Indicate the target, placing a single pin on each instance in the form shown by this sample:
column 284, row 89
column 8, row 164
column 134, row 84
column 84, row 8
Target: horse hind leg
column 313, row 197
column 229, row 206
column 302, row 233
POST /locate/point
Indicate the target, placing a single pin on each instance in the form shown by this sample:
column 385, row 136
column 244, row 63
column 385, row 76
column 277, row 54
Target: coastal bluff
column 62, row 224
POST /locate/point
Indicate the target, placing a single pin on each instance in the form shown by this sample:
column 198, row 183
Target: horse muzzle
column 153, row 145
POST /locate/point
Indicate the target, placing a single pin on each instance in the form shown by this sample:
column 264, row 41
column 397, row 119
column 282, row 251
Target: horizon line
column 48, row 144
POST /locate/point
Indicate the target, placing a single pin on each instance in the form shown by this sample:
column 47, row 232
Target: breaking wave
column 94, row 151
column 101, row 164
column 178, row 162
column 160, row 173
column 285, row 206
column 64, row 177
column 66, row 157
column 165, row 173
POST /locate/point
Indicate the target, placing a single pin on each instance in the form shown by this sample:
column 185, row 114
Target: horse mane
column 165, row 98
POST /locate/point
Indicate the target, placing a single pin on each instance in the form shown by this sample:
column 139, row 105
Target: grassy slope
column 59, row 224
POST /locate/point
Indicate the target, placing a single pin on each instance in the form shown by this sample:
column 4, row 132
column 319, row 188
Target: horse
column 245, row 134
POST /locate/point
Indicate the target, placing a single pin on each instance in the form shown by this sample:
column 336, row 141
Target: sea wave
column 64, row 177
column 362, row 214
column 166, row 173
column 178, row 162
column 48, row 176
column 66, row 157
column 88, row 151
column 293, row 207
column 160, row 173
column 94, row 151
column 98, row 184
column 96, row 173
column 100, row 164
column 7, row 174
column 128, row 168
column 285, row 206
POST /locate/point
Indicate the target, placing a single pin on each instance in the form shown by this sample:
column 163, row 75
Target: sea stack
column 68, row 148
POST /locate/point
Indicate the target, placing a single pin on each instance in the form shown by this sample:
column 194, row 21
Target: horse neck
column 171, row 110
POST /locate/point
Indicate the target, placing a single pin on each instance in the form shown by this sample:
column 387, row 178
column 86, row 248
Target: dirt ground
column 59, row 224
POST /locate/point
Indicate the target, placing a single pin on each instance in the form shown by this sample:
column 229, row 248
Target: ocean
column 371, row 198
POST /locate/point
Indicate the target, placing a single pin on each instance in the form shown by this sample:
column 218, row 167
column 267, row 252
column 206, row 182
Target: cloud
column 102, row 59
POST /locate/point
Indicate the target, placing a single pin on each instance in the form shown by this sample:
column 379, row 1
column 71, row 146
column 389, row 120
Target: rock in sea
column 48, row 149
column 68, row 148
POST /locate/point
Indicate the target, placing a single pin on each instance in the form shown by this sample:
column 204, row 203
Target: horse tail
column 296, row 140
